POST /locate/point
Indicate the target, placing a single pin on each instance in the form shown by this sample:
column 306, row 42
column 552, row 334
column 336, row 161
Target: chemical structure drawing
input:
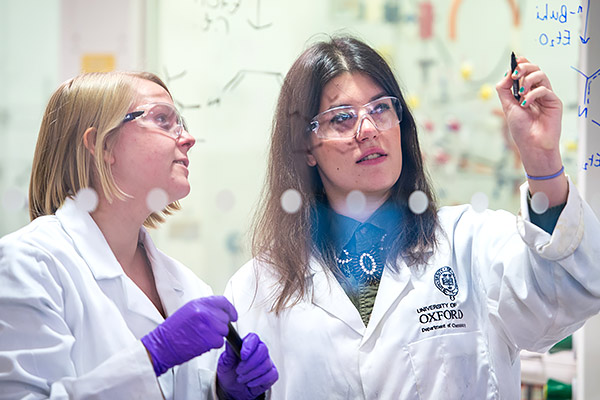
column 257, row 25
column 561, row 16
column 242, row 74
column 586, row 94
column 218, row 15
column 593, row 162
column 182, row 107
column 233, row 83
column 585, row 38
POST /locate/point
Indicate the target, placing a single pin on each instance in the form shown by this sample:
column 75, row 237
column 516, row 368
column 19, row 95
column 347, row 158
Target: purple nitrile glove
column 252, row 375
column 195, row 328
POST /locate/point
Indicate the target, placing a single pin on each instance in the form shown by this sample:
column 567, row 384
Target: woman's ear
column 89, row 141
column 310, row 159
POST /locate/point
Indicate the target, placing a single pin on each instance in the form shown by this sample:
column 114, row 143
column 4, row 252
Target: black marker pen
column 234, row 340
column 513, row 66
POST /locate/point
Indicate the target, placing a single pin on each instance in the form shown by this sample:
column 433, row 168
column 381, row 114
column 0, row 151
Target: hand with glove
column 248, row 376
column 197, row 327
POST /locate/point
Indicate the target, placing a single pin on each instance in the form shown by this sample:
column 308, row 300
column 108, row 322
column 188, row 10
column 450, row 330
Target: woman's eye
column 341, row 118
column 380, row 108
column 162, row 120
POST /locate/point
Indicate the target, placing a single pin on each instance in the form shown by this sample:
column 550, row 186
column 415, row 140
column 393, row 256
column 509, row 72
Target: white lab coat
column 71, row 320
column 504, row 285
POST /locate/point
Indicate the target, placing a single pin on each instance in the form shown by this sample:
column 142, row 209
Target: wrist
column 538, row 163
column 555, row 189
column 546, row 177
column 159, row 367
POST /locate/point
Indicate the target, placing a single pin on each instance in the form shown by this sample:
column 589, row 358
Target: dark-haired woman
column 372, row 299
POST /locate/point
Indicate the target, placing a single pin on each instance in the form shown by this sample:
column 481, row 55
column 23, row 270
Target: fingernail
column 516, row 72
column 523, row 103
column 506, row 73
column 522, row 89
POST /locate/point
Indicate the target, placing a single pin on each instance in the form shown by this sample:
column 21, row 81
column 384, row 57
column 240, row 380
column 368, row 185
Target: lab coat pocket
column 453, row 366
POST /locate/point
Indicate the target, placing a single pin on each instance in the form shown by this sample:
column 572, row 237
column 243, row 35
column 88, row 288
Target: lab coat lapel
column 329, row 295
column 94, row 249
column 89, row 241
column 170, row 289
column 139, row 303
column 393, row 287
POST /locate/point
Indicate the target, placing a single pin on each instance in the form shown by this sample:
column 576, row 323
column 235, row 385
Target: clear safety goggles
column 345, row 121
column 163, row 116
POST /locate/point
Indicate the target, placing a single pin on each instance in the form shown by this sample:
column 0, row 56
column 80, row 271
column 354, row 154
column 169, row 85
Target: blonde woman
column 89, row 307
column 385, row 302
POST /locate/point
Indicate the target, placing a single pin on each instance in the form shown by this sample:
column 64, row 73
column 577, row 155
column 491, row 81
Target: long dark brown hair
column 286, row 242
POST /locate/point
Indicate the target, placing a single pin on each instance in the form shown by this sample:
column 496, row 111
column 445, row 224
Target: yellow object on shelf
column 98, row 62
column 486, row 91
column 571, row 145
column 413, row 102
column 466, row 70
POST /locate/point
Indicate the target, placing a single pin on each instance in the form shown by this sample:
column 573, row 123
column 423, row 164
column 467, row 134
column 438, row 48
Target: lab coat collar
column 329, row 295
column 166, row 282
column 94, row 249
column 341, row 228
column 89, row 241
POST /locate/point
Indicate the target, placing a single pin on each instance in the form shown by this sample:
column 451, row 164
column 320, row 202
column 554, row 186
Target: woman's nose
column 186, row 140
column 366, row 129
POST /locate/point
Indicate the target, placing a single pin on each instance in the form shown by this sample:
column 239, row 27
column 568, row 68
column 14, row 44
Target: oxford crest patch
column 445, row 281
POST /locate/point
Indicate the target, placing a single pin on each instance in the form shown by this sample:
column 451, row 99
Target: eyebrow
column 377, row 96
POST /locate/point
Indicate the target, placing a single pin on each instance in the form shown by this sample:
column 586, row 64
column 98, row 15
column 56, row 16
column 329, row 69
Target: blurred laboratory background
column 224, row 61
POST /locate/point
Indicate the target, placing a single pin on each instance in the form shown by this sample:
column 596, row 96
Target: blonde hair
column 62, row 165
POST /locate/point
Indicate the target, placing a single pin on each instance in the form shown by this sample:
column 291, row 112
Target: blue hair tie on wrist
column 543, row 178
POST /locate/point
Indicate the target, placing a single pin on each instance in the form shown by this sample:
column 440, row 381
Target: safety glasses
column 345, row 121
column 163, row 116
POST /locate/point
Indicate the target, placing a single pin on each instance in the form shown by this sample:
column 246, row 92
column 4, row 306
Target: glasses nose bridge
column 362, row 115
column 185, row 137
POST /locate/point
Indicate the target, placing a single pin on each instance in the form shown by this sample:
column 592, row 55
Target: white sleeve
column 36, row 341
column 541, row 292
column 125, row 374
